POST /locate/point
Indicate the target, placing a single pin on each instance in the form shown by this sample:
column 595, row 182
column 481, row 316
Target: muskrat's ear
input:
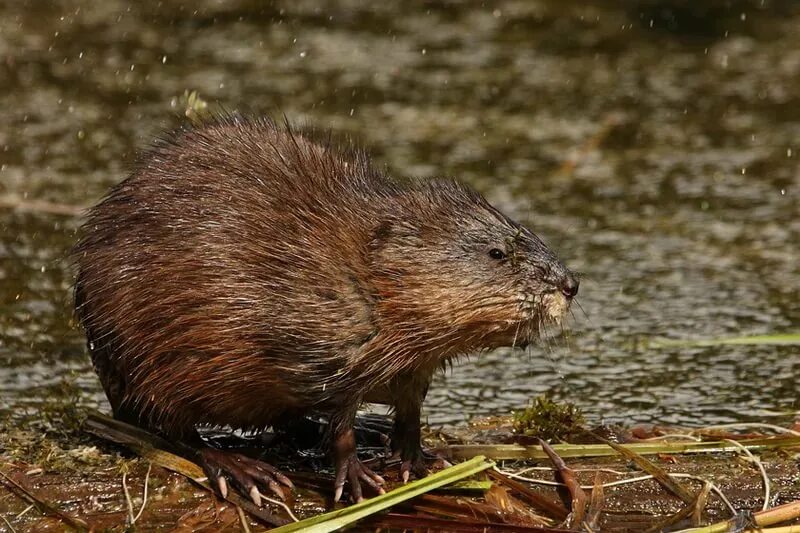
column 392, row 231
column 381, row 234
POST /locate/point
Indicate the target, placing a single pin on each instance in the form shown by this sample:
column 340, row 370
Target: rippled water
column 680, row 206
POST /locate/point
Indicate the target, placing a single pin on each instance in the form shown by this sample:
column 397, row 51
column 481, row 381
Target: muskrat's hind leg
column 244, row 473
column 100, row 344
column 348, row 466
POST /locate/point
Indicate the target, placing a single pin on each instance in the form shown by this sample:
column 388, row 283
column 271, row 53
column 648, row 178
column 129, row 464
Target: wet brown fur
column 244, row 273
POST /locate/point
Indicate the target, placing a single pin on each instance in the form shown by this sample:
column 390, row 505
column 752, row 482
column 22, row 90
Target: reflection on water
column 656, row 148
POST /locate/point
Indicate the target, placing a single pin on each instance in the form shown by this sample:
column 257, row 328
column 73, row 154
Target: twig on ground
column 552, row 508
column 685, row 512
column 596, row 503
column 761, row 469
column 402, row 521
column 10, row 527
column 776, row 515
column 153, row 448
column 243, row 520
column 656, row 471
column 637, row 479
column 144, row 495
column 702, row 501
column 680, row 436
column 502, row 452
column 773, row 427
column 568, row 476
column 24, row 511
column 128, row 501
column 43, row 506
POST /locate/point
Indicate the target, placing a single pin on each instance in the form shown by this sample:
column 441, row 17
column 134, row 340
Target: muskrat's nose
column 569, row 286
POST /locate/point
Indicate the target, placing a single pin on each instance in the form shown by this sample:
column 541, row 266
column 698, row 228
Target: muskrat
column 245, row 274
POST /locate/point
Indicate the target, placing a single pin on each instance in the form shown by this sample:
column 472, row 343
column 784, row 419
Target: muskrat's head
column 455, row 273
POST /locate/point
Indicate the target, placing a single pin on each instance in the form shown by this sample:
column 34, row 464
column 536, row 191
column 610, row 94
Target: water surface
column 680, row 206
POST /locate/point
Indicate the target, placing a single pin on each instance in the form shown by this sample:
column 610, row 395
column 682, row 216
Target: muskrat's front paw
column 415, row 461
column 354, row 471
column 245, row 473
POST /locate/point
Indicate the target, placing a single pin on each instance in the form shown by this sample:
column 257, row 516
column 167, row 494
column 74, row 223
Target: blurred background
column 653, row 144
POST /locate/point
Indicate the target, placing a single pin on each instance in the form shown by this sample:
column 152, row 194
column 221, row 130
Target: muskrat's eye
column 496, row 253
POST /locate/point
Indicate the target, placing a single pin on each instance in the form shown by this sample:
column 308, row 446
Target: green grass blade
column 343, row 517
column 470, row 485
column 783, row 339
column 500, row 452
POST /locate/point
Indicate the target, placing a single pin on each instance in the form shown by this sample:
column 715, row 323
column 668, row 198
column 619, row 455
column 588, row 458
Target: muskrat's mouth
column 555, row 306
column 539, row 311
column 546, row 308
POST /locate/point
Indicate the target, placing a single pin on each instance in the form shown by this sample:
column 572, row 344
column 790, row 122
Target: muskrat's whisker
column 516, row 332
column 547, row 334
column 576, row 302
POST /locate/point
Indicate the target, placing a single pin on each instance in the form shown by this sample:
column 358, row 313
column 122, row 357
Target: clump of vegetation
column 195, row 108
column 549, row 420
column 51, row 436
column 61, row 413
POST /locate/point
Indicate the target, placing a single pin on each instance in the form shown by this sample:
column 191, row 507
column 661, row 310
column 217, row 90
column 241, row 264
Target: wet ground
column 87, row 484
column 680, row 206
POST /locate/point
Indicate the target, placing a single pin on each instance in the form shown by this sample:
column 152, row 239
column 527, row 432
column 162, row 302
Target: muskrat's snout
column 569, row 285
column 551, row 283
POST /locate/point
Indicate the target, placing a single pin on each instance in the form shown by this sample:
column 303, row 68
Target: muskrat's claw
column 243, row 472
column 417, row 466
column 355, row 472
column 222, row 486
column 416, row 462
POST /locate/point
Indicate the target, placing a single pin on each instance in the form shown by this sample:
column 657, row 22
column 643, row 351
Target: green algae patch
column 549, row 420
